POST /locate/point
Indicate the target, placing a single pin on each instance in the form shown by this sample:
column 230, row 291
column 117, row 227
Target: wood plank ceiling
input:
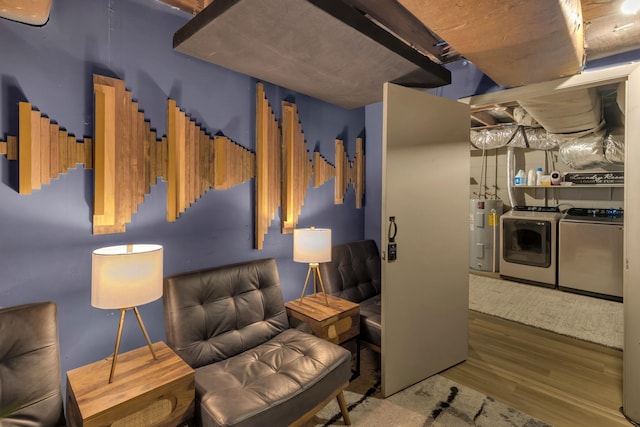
column 397, row 16
column 513, row 42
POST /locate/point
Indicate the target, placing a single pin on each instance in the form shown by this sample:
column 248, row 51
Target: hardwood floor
column 563, row 381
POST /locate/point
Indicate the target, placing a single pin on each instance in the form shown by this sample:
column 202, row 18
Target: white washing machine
column 528, row 247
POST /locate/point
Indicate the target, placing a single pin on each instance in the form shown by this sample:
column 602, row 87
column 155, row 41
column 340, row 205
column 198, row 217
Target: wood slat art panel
column 198, row 163
column 297, row 167
column 124, row 170
column 39, row 151
column 359, row 182
column 268, row 166
column 349, row 172
column 12, row 147
column 323, row 171
column 234, row 164
column 128, row 158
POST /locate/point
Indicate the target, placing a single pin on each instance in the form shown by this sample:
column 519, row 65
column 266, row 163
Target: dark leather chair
column 30, row 382
column 229, row 323
column 354, row 274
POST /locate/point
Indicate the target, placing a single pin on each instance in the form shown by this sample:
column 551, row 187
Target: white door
column 425, row 186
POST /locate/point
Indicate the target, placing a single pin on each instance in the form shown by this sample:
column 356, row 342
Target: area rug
column 436, row 402
column 587, row 318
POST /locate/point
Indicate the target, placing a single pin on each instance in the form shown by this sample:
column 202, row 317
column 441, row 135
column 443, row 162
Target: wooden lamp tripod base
column 123, row 311
column 313, row 269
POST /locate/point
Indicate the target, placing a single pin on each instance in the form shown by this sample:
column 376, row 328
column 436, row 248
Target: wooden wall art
column 297, row 168
column 198, row 162
column 128, row 157
column 349, row 172
column 43, row 150
column 10, row 148
column 323, row 171
column 268, row 166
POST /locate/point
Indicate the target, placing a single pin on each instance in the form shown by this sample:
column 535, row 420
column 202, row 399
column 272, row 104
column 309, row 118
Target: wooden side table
column 338, row 323
column 144, row 391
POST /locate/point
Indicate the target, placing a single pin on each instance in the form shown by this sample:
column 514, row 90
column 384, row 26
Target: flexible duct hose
column 511, row 173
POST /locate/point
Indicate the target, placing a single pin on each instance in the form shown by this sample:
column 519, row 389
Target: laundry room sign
column 595, row 177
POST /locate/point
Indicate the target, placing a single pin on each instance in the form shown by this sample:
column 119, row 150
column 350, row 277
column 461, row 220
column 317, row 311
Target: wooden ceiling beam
column 514, row 43
column 594, row 9
column 484, row 118
column 401, row 22
column 189, row 6
column 33, row 12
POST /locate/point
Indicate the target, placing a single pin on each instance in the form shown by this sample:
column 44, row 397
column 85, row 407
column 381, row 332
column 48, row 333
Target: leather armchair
column 30, row 382
column 229, row 323
column 354, row 274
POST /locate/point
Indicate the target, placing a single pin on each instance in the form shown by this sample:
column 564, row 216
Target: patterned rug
column 587, row 318
column 436, row 402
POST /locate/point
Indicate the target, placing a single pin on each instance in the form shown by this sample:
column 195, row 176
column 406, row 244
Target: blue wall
column 46, row 238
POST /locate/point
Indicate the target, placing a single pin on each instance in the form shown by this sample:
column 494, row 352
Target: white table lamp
column 124, row 277
column 313, row 246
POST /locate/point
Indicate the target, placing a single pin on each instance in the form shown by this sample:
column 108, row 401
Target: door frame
column 629, row 75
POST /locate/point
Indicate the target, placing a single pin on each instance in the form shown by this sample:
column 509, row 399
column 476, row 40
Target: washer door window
column 527, row 242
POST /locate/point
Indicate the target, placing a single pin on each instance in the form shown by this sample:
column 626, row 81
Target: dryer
column 528, row 247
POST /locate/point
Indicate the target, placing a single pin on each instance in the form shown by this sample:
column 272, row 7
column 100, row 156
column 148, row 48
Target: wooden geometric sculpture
column 284, row 170
column 10, row 148
column 127, row 160
column 349, row 172
column 268, row 182
column 234, row 164
column 45, row 150
column 183, row 171
column 297, row 168
column 323, row 171
column 198, row 162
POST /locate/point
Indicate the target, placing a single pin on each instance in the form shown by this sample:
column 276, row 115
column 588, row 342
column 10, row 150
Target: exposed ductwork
column 566, row 112
column 571, row 122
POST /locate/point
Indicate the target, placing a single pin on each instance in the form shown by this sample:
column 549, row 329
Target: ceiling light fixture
column 623, row 27
column 630, row 7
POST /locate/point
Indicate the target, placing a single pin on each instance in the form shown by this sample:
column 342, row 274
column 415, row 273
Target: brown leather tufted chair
column 354, row 274
column 30, row 382
column 229, row 323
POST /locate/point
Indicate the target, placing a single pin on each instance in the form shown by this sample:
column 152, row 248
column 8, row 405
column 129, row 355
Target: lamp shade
column 126, row 276
column 312, row 245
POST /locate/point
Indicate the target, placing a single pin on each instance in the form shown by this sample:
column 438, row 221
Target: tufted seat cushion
column 354, row 274
column 284, row 374
column 370, row 318
column 230, row 324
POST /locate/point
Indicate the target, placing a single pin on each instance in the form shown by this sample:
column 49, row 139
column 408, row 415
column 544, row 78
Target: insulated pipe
column 493, row 221
column 511, row 173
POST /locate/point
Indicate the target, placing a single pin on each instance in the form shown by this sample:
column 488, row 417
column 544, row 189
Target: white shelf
column 571, row 186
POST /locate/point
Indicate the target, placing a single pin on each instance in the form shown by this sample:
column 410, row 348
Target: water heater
column 484, row 234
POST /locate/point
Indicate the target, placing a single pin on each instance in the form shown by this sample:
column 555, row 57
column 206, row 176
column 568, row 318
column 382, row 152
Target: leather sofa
column 354, row 274
column 30, row 386
column 229, row 323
